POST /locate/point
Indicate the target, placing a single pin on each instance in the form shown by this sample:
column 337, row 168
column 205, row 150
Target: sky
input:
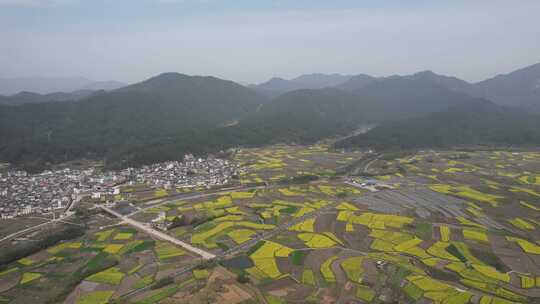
column 250, row 41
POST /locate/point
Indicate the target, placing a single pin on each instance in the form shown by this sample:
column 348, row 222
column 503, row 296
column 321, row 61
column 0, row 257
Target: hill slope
column 307, row 115
column 518, row 88
column 29, row 97
column 473, row 123
column 395, row 98
column 152, row 112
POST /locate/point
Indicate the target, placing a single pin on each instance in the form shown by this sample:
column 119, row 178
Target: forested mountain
column 169, row 115
column 518, row 88
column 152, row 112
column 277, row 86
column 392, row 98
column 306, row 115
column 29, row 97
column 476, row 122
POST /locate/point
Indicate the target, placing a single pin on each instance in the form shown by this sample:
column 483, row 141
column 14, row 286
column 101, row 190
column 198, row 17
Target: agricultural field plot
column 218, row 223
column 100, row 266
column 494, row 185
column 444, row 237
column 384, row 255
column 459, row 227
column 275, row 163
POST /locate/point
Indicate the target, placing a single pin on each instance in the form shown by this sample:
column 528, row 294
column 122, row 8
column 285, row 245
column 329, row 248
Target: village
column 23, row 194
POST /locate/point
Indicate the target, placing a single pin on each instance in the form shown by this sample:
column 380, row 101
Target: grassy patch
column 201, row 274
column 423, row 230
column 527, row 246
column 166, row 251
column 445, row 233
column 491, row 272
column 28, row 277
column 159, row 295
column 123, row 236
column 353, row 268
column 308, row 277
column 326, row 270
column 103, row 235
column 298, row 257
column 97, row 297
column 113, row 248
column 413, row 292
column 264, row 259
column 112, row 276
column 475, row 235
column 364, row 293
column 521, row 224
column 143, row 282
column 240, row 236
column 315, row 240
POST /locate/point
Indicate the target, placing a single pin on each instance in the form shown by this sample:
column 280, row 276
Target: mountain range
column 277, row 86
column 30, row 97
column 519, row 88
column 171, row 114
column 45, row 85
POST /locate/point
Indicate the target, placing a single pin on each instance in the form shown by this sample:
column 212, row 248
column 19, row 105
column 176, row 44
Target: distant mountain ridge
column 277, row 86
column 520, row 88
column 29, row 97
column 48, row 85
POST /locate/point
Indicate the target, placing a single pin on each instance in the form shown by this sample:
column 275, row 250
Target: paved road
column 160, row 235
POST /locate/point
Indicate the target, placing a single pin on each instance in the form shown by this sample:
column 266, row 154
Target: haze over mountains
column 49, row 85
column 30, row 97
column 171, row 114
column 277, row 86
column 517, row 88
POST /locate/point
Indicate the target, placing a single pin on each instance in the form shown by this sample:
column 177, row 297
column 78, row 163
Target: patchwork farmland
column 428, row 227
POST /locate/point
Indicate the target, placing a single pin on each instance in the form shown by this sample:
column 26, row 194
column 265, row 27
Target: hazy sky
column 253, row 40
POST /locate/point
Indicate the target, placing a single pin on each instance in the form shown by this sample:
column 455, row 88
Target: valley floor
column 426, row 227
